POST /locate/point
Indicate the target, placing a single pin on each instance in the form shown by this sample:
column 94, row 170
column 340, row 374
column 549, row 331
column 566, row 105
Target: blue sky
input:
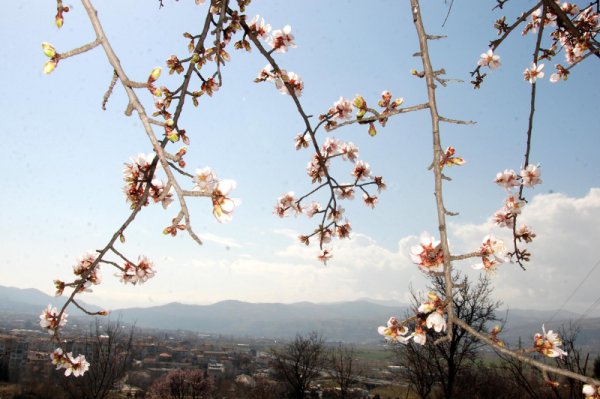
column 63, row 155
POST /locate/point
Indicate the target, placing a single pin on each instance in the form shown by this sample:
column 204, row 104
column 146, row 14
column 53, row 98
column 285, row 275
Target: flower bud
column 103, row 313
column 59, row 20
column 49, row 67
column 398, row 102
column 359, row 102
column 173, row 137
column 372, row 130
column 155, row 74
column 48, row 49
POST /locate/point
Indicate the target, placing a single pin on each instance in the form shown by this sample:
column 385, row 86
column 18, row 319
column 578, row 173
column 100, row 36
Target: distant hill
column 354, row 321
column 31, row 300
column 347, row 321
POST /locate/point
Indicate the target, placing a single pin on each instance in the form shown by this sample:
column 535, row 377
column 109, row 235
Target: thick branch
column 541, row 366
column 437, row 156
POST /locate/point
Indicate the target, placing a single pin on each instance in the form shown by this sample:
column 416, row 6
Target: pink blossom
column 343, row 230
column 76, row 366
column 325, row 255
column 531, row 175
column 292, row 79
column 436, row 321
column 432, row 304
column 507, row 179
column 494, row 246
column 503, row 218
column 361, row 171
column 513, row 204
column 489, row 59
column 332, row 146
column 525, row 233
column 314, row 169
column 548, row 344
column 281, row 39
column 158, row 194
column 58, row 358
column 312, row 209
column 419, row 336
column 302, row 140
column 265, row 74
column 349, row 151
column 259, row 30
column 342, row 109
column 139, row 273
column 287, row 202
column 370, row 200
column 345, row 192
column 84, row 263
column 487, row 264
column 533, row 73
column 337, row 213
column 223, row 206
column 428, row 254
column 205, row 180
column 49, row 319
column 394, row 332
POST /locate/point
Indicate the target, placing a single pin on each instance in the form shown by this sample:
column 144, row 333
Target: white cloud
column 564, row 251
column 228, row 242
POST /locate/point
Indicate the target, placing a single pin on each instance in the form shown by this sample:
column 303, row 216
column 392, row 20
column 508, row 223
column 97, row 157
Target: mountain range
column 354, row 321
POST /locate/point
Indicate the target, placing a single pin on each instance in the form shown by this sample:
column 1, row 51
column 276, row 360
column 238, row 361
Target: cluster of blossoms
column 76, row 366
column 139, row 273
column 279, row 40
column 591, row 391
column 206, row 183
column 513, row 204
column 342, row 110
column 83, row 268
column 50, row 321
column 576, row 38
column 136, row 174
column 430, row 315
column 428, row 254
column 493, row 252
column 317, row 170
column 548, row 344
column 282, row 80
column 575, row 47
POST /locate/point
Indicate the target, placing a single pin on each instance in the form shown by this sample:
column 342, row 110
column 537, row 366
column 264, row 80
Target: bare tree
column 344, row 368
column 300, row 362
column 180, row 384
column 109, row 345
column 440, row 363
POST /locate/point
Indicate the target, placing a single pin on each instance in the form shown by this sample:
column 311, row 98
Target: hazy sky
column 62, row 155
